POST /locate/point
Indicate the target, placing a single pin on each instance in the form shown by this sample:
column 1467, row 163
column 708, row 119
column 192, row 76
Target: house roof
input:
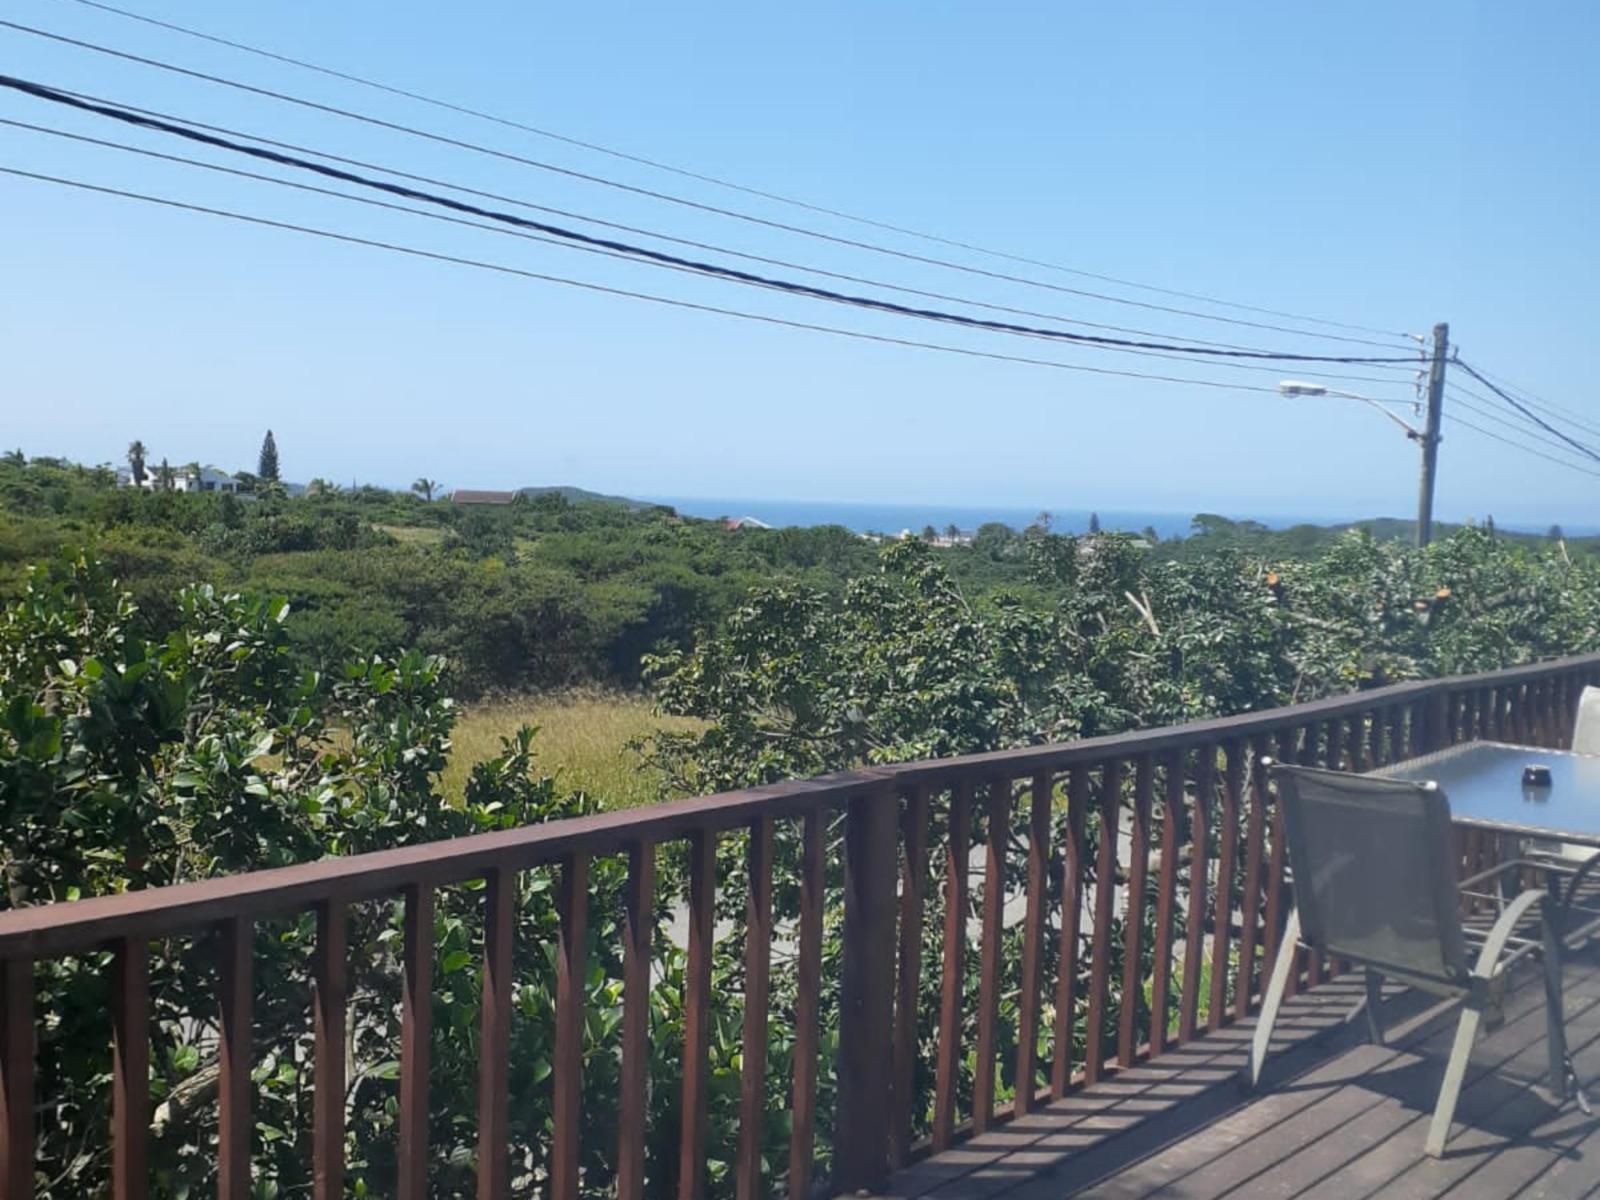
column 478, row 496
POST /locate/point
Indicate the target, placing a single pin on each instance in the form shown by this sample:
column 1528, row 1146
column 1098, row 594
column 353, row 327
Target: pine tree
column 267, row 465
column 1094, row 522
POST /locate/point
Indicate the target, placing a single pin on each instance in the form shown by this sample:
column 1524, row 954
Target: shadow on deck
column 1337, row 1118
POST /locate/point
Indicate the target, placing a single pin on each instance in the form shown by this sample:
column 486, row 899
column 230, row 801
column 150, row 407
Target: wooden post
column 866, row 996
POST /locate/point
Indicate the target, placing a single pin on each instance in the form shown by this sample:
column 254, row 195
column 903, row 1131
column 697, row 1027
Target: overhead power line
column 655, row 256
column 1526, row 449
column 1583, row 421
column 605, row 289
column 1466, row 399
column 683, row 172
column 637, row 230
column 1525, row 410
column 666, row 197
column 295, row 185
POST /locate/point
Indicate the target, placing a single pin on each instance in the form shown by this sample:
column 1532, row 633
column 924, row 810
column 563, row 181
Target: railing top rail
column 76, row 926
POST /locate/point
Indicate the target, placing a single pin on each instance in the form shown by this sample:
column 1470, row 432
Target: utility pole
column 1430, row 432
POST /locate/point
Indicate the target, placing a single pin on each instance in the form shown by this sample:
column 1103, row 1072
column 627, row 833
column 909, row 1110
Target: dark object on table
column 1536, row 776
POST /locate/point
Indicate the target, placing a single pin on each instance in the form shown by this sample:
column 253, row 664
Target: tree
column 424, row 487
column 136, row 462
column 165, row 476
column 322, row 487
column 952, row 531
column 267, row 464
column 1094, row 522
column 1555, row 534
column 929, row 534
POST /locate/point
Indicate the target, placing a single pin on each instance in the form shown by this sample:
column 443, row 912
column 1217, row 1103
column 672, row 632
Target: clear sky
column 1387, row 165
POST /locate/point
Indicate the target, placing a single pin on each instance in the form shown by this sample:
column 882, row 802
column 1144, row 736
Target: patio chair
column 1586, row 729
column 1374, row 885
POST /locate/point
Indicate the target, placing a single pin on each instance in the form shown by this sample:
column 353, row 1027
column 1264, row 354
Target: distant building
column 184, row 479
column 733, row 523
column 479, row 496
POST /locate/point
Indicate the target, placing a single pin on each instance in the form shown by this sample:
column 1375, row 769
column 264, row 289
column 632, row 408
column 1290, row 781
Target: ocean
column 893, row 518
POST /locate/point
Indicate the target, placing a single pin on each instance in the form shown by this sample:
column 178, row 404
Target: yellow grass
column 414, row 535
column 583, row 741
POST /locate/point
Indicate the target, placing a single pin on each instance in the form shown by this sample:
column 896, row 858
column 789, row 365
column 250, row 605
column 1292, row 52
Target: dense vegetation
column 203, row 685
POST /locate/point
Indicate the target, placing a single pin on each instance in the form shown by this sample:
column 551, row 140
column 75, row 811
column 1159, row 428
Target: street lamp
column 1295, row 387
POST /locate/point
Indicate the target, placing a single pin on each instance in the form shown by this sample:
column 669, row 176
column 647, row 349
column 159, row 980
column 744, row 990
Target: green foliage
column 127, row 762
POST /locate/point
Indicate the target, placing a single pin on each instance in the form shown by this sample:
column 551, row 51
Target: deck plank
column 1338, row 1117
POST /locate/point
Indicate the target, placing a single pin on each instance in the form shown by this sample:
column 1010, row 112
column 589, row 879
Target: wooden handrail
column 1164, row 794
column 53, row 930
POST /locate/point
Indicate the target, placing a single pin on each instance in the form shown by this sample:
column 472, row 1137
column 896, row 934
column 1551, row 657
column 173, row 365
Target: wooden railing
column 1164, row 838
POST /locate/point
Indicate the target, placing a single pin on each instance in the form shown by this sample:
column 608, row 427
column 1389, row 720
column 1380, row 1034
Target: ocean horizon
column 867, row 517
column 872, row 517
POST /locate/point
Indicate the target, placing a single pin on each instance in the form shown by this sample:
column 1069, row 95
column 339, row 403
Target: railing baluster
column 1335, row 745
column 697, row 1013
column 1375, row 757
column 234, row 1059
column 638, row 935
column 808, row 996
column 1395, row 719
column 1072, row 869
column 866, row 994
column 1255, row 844
column 1232, row 791
column 1199, row 888
column 757, row 964
column 1133, row 915
column 1033, row 940
column 416, row 1035
column 494, row 1042
column 1276, row 883
column 330, row 967
column 572, row 970
column 955, row 950
column 1105, row 888
column 1165, row 892
column 908, row 979
column 130, row 1079
column 16, row 1078
column 996, row 840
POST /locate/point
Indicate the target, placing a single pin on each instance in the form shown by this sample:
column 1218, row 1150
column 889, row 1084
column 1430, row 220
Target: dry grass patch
column 583, row 741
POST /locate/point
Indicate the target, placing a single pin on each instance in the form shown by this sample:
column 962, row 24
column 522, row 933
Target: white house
column 184, row 479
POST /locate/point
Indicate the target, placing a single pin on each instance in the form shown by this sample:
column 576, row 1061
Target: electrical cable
column 685, row 173
column 604, row 289
column 1524, row 448
column 1461, row 396
column 1581, row 420
column 52, row 95
column 1525, row 410
column 566, row 213
column 651, row 193
column 499, row 229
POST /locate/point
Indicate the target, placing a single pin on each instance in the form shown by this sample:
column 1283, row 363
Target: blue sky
column 1386, row 165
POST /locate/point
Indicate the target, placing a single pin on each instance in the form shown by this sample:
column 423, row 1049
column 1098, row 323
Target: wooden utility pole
column 1430, row 433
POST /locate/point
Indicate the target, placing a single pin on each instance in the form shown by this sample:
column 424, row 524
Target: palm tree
column 16, row 458
column 321, row 487
column 424, row 487
column 136, row 462
column 165, row 476
column 952, row 532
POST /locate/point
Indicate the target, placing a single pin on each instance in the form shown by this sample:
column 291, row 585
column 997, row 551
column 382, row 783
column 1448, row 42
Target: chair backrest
column 1586, row 729
column 1374, row 876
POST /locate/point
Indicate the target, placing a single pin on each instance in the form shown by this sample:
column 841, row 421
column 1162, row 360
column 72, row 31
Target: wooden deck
column 1338, row 1118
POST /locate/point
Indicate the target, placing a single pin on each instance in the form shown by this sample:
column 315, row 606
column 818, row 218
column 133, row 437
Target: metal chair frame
column 1499, row 947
